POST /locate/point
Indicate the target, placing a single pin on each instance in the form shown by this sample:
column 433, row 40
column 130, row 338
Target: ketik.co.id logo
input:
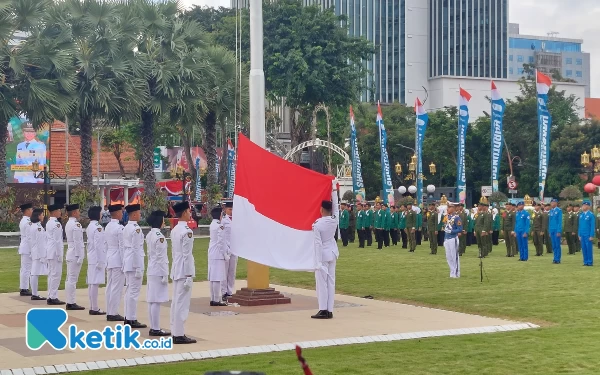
column 43, row 326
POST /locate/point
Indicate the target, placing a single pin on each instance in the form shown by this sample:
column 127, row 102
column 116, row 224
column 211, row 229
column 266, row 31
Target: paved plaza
column 229, row 331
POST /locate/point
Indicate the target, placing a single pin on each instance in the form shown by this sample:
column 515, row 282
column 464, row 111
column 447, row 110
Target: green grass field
column 563, row 299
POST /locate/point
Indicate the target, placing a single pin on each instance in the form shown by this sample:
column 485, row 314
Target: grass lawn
column 563, row 299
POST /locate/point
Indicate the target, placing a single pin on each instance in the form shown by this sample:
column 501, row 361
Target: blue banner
column 230, row 169
column 357, row 181
column 544, row 126
column 498, row 107
column 463, row 124
column 198, row 181
column 386, row 176
column 422, row 120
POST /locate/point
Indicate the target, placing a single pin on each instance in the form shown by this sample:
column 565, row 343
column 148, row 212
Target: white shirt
column 74, row 239
column 158, row 261
column 226, row 224
column 96, row 243
column 114, row 244
column 54, row 238
column 216, row 246
column 37, row 241
column 133, row 247
column 324, row 230
column 182, row 242
column 24, row 229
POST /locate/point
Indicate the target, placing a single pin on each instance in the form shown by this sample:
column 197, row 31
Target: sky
column 570, row 18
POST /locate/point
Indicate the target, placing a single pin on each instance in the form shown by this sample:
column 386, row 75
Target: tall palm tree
column 34, row 75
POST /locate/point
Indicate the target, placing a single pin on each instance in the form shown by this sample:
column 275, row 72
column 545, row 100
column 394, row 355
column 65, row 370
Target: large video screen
column 25, row 145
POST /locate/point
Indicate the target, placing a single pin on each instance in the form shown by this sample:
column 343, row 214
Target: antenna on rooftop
column 553, row 34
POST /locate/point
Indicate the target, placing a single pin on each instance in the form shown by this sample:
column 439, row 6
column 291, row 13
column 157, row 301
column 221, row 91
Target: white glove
column 79, row 260
column 60, row 257
column 165, row 280
column 139, row 273
column 187, row 285
column 43, row 260
column 99, row 266
column 227, row 256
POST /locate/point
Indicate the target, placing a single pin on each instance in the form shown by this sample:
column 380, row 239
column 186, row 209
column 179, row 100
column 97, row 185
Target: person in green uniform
column 369, row 222
column 378, row 225
column 352, row 227
column 508, row 226
column 576, row 241
column 419, row 232
column 537, row 229
column 394, row 226
column 344, row 223
column 386, row 224
column 545, row 223
column 411, row 228
column 496, row 225
column 568, row 228
column 489, row 222
column 360, row 224
column 472, row 239
column 432, row 228
column 462, row 237
column 402, row 226
column 483, row 227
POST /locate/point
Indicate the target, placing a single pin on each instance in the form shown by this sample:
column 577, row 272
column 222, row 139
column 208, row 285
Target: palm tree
column 34, row 75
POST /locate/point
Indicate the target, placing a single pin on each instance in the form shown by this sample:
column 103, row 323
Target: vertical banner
column 386, row 177
column 498, row 107
column 544, row 126
column 463, row 124
column 230, row 168
column 198, row 181
column 422, row 120
column 357, row 181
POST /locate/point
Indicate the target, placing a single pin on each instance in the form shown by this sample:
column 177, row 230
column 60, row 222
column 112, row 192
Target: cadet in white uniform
column 133, row 264
column 114, row 264
column 37, row 245
column 96, row 255
column 217, row 258
column 183, row 271
column 327, row 253
column 24, row 250
column 54, row 252
column 228, row 284
column 75, row 255
column 157, row 276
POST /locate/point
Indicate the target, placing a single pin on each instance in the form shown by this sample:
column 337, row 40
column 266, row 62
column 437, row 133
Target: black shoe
column 159, row 332
column 183, row 340
column 322, row 314
column 74, row 306
column 97, row 312
column 37, row 298
column 135, row 324
column 213, row 303
column 25, row 293
column 54, row 302
column 329, row 315
column 115, row 318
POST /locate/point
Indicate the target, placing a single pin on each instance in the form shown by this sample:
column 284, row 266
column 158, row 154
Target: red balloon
column 596, row 180
column 590, row 188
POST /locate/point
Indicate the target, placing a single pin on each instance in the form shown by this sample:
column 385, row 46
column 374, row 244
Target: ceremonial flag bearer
column 157, row 291
column 133, row 264
column 114, row 255
column 96, row 255
column 183, row 272
column 75, row 255
column 327, row 253
column 217, row 258
column 24, row 250
column 54, row 253
column 452, row 229
column 228, row 284
column 37, row 245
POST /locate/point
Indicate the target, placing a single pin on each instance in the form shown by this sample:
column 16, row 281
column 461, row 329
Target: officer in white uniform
column 217, row 258
column 96, row 255
column 37, row 245
column 183, row 271
column 133, row 264
column 228, row 283
column 114, row 263
column 27, row 152
column 24, row 250
column 75, row 255
column 54, row 253
column 157, row 275
column 326, row 253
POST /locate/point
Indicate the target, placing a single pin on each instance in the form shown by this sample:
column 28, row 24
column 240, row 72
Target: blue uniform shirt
column 587, row 225
column 522, row 222
column 453, row 227
column 555, row 220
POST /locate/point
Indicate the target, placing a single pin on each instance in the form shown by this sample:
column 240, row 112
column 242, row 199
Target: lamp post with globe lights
column 411, row 176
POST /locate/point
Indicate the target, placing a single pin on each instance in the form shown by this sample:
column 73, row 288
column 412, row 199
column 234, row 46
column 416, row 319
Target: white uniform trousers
column 132, row 294
column 73, row 270
column 325, row 280
column 451, row 246
column 228, row 284
column 114, row 290
column 25, row 272
column 55, row 269
column 180, row 307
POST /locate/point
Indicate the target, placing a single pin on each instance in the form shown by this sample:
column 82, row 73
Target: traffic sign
column 486, row 191
column 512, row 185
column 157, row 160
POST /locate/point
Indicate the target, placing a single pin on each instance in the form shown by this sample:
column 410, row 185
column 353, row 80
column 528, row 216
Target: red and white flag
column 275, row 204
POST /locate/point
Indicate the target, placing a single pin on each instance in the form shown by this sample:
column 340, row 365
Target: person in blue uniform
column 452, row 229
column 521, row 232
column 555, row 226
column 587, row 228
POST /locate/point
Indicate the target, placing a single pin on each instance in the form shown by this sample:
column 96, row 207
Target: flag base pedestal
column 258, row 297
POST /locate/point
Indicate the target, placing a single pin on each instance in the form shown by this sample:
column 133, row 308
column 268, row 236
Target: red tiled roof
column 592, row 108
column 108, row 162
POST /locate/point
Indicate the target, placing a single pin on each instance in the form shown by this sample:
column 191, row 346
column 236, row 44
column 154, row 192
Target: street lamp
column 398, row 169
column 592, row 160
column 46, row 175
column 180, row 174
column 432, row 168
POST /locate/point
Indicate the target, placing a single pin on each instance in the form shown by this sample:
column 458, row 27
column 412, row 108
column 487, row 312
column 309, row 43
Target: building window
column 569, row 73
column 579, row 61
column 569, row 61
column 521, row 71
column 531, row 59
column 510, row 58
column 579, row 74
column 510, row 70
column 520, row 58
